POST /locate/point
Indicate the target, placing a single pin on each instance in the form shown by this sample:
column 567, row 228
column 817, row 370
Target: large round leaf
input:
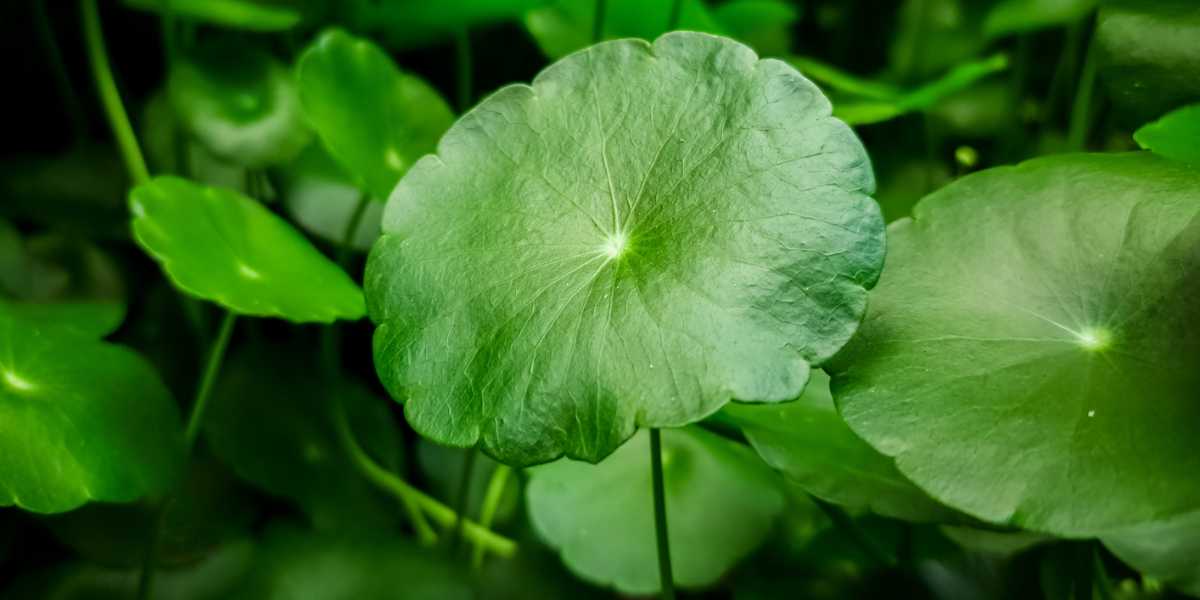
column 810, row 443
column 225, row 247
column 721, row 501
column 376, row 120
column 1167, row 550
column 1032, row 345
column 645, row 234
column 80, row 419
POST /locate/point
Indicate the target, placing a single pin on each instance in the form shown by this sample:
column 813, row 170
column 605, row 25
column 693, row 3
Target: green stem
column 660, row 517
column 1081, row 119
column 331, row 335
column 352, row 226
column 676, row 10
column 54, row 57
column 200, row 406
column 860, row 538
column 491, row 502
column 1013, row 137
column 109, row 96
column 462, row 46
column 150, row 559
column 464, row 493
column 411, row 496
column 598, row 24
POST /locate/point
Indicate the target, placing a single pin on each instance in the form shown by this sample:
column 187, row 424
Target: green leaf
column 569, row 25
column 272, row 418
column 376, row 120
column 810, row 443
column 239, row 102
column 645, row 234
column 1022, row 16
column 1032, row 347
column 321, row 197
column 95, row 319
column 1148, row 54
column 721, row 501
column 1167, row 550
column 239, row 14
column 82, row 419
column 1175, row 136
column 934, row 35
column 225, row 247
column 408, row 24
column 764, row 25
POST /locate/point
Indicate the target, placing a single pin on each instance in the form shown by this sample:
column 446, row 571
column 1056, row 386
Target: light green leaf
column 1148, row 54
column 810, row 443
column 721, row 501
column 376, row 120
column 1167, row 550
column 321, row 197
column 225, row 247
column 82, row 419
column 96, row 319
column 1032, row 346
column 1175, row 136
column 272, row 418
column 239, row 102
column 764, row 25
column 569, row 25
column 1021, row 16
column 239, row 14
column 645, row 234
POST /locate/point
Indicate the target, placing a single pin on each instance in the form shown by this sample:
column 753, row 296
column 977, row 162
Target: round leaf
column 239, row 102
column 1175, row 136
column 721, row 501
column 1167, row 550
column 810, row 443
column 569, row 25
column 225, row 247
column 1032, row 345
column 645, row 234
column 81, row 420
column 376, row 120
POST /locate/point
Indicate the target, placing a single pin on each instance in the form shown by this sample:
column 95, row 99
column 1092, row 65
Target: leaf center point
column 17, row 382
column 1095, row 338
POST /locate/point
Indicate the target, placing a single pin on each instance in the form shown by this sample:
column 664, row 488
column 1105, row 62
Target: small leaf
column 569, row 25
column 814, row 447
column 374, row 119
column 1167, row 550
column 239, row 102
column 721, row 501
column 580, row 260
column 1175, row 136
column 239, row 14
column 82, row 419
column 225, row 247
column 96, row 319
column 1032, row 346
column 1022, row 16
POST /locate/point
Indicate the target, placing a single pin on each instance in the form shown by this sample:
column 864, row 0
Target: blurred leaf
column 1148, row 54
column 539, row 287
column 764, row 25
column 935, row 35
column 376, row 120
column 321, row 197
column 442, row 467
column 1175, row 136
column 239, row 14
column 83, row 420
column 721, row 502
column 408, row 24
column 1020, row 311
column 80, row 192
column 272, row 419
column 534, row 573
column 225, row 247
column 1167, row 550
column 814, row 447
column 995, row 542
column 977, row 112
column 239, row 102
column 1021, row 16
column 568, row 25
column 96, row 319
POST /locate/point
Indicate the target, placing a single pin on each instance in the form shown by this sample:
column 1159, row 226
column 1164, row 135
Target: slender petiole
column 598, row 23
column 491, row 502
column 200, row 406
column 665, row 573
column 1081, row 118
column 860, row 538
column 109, row 96
column 673, row 21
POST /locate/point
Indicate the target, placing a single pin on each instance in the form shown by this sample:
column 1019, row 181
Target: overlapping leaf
column 1175, row 136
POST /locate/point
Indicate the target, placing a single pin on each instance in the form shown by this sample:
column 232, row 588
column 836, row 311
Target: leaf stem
column 462, row 47
column 200, row 406
column 70, row 97
column 491, row 501
column 676, row 10
column 660, row 517
column 1077, row 134
column 464, row 492
column 150, row 559
column 598, row 24
column 860, row 538
column 352, row 227
column 106, row 86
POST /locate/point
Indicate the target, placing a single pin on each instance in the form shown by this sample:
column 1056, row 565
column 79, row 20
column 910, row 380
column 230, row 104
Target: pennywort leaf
column 1175, row 136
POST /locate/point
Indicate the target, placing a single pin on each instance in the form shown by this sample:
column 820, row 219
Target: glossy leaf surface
column 1175, row 136
column 1020, row 16
column 376, row 120
column 225, row 247
column 569, row 25
column 810, row 443
column 240, row 102
column 82, row 419
column 645, row 234
column 240, row 14
column 1029, row 348
column 1167, row 550
column 721, row 501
